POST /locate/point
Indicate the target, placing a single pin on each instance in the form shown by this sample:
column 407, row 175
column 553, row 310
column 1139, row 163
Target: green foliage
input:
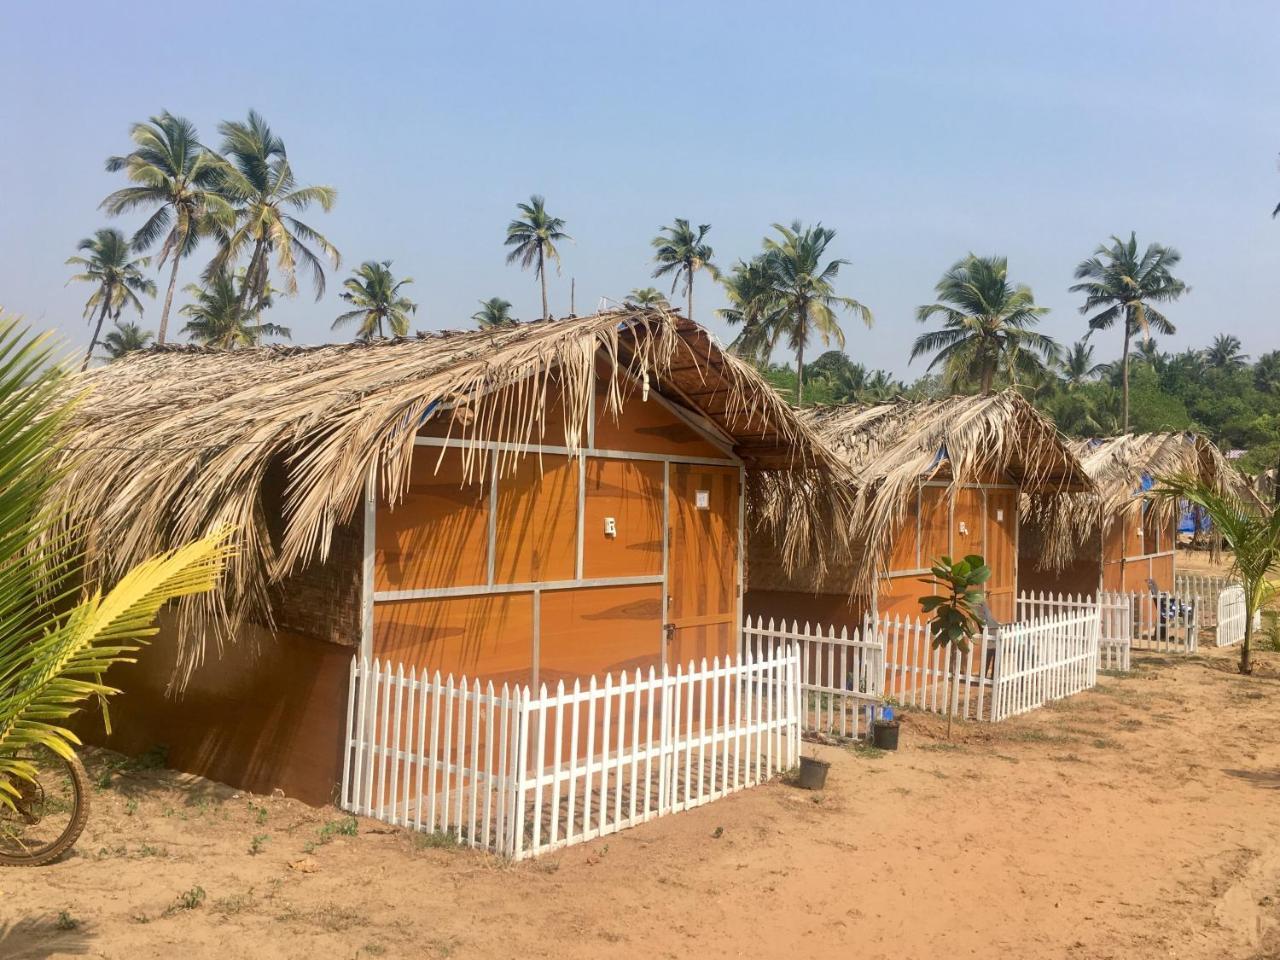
column 956, row 619
column 116, row 278
column 648, row 297
column 986, row 327
column 682, row 251
column 126, row 338
column 494, row 313
column 379, row 304
column 533, row 238
column 221, row 316
column 59, row 633
column 787, row 293
column 1251, row 530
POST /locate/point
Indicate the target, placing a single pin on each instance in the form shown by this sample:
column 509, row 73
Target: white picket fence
column 841, row 676
column 1115, row 620
column 521, row 774
column 1008, row 670
column 1230, row 626
column 1043, row 660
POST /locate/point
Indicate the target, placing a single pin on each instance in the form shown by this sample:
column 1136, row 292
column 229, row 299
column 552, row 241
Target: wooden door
column 1002, row 552
column 702, row 564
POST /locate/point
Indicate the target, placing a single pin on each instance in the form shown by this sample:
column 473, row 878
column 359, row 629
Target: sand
column 1141, row 819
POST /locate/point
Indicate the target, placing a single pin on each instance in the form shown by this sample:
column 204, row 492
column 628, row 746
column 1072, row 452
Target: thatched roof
column 175, row 441
column 1121, row 467
column 890, row 447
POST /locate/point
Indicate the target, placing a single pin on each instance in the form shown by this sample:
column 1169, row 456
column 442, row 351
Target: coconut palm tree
column 802, row 289
column 126, row 338
column 1077, row 367
column 753, row 307
column 1266, row 372
column 259, row 181
column 682, row 251
column 1149, row 352
column 494, row 313
column 174, row 174
column 1225, row 353
column 986, row 326
column 648, row 297
column 117, row 280
column 1253, row 531
column 1121, row 284
column 375, row 294
column 216, row 319
column 58, row 631
column 533, row 238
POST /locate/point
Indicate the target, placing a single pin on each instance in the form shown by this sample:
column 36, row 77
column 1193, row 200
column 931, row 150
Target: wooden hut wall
column 511, row 575
column 979, row 518
column 1140, row 546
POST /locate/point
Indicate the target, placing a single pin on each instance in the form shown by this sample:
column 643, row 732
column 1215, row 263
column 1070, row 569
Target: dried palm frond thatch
column 1121, row 467
column 177, row 441
column 891, row 447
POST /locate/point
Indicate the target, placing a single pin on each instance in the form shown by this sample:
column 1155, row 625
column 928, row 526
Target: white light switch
column 999, row 514
column 964, row 528
column 610, row 527
column 702, row 499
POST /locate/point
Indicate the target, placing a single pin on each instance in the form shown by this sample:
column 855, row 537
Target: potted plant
column 813, row 772
column 884, row 729
column 955, row 604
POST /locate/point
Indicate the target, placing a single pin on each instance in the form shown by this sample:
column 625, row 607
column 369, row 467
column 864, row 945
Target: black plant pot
column 813, row 773
column 884, row 734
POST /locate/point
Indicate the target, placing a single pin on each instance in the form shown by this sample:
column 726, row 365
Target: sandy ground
column 1137, row 820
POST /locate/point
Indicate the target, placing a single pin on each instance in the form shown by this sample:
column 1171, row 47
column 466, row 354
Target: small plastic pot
column 813, row 773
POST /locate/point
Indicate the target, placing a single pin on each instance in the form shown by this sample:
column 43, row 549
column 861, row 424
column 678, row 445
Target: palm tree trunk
column 689, row 296
column 168, row 297
column 1246, row 662
column 1124, row 374
column 97, row 330
column 249, row 271
column 800, row 373
column 988, row 378
column 542, row 275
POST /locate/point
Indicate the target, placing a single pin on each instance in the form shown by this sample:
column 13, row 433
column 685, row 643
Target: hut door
column 1002, row 550
column 702, row 564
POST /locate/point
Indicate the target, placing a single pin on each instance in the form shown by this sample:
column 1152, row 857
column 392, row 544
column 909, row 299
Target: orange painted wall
column 269, row 714
column 439, row 538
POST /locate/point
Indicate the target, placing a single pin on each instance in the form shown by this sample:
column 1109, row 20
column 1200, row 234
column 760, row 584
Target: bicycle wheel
column 49, row 814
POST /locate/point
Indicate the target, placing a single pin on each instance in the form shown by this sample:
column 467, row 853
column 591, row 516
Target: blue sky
column 919, row 131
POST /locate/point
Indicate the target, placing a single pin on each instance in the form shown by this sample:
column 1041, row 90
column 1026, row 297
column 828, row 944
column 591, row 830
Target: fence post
column 997, row 666
column 521, row 766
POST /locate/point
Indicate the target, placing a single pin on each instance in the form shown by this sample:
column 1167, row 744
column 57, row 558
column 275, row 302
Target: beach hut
column 1127, row 542
column 545, row 501
column 929, row 478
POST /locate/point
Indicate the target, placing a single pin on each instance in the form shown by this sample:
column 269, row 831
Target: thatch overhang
column 1124, row 468
column 889, row 448
column 175, row 441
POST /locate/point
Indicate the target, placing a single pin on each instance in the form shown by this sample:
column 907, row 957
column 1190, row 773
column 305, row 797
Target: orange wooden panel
column 537, row 521
column 1162, row 572
column 646, row 426
column 1134, row 545
column 599, row 630
column 935, row 540
column 900, row 596
column 705, row 642
column 967, row 534
column 702, row 573
column 1001, row 552
column 630, row 491
column 1112, row 575
column 438, row 536
column 1151, row 532
column 486, row 637
column 904, row 553
column 828, row 609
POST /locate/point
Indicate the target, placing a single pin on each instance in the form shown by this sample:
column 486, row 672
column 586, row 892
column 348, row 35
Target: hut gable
column 284, row 442
column 891, row 448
